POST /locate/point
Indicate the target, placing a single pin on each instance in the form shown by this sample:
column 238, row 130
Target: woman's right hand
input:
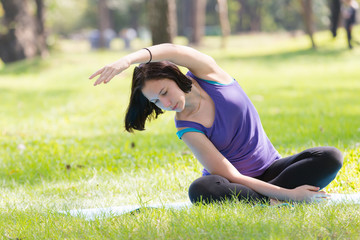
column 307, row 193
column 110, row 71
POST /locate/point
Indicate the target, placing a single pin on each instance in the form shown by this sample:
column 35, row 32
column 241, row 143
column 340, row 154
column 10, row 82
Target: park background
column 63, row 144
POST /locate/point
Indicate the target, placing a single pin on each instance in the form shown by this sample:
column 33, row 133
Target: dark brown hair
column 140, row 108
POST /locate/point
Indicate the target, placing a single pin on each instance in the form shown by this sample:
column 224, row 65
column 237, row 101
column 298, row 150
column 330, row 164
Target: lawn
column 63, row 144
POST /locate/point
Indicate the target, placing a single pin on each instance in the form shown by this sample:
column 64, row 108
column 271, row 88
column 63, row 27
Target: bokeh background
column 32, row 28
column 63, row 144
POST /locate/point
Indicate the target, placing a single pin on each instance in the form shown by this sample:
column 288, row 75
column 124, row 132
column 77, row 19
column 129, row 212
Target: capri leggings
column 315, row 166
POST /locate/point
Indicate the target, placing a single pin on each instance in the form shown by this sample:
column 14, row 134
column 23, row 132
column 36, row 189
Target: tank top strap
column 189, row 127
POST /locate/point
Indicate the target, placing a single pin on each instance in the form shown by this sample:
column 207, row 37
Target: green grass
column 63, row 144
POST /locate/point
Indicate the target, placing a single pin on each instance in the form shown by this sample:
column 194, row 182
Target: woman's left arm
column 198, row 63
column 217, row 164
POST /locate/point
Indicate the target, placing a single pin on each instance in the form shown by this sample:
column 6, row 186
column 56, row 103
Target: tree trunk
column 255, row 16
column 198, row 21
column 135, row 14
column 162, row 20
column 335, row 9
column 250, row 15
column 224, row 21
column 172, row 18
column 104, row 24
column 308, row 16
column 20, row 40
column 41, row 36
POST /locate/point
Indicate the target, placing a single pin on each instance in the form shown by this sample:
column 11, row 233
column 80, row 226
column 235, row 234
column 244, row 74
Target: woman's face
column 165, row 93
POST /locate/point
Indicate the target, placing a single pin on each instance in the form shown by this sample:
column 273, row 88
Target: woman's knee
column 205, row 188
column 333, row 157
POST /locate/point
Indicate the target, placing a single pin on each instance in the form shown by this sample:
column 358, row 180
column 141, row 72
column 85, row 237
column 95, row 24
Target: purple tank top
column 237, row 131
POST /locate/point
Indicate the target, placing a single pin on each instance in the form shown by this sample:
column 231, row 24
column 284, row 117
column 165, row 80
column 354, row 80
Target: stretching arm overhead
column 200, row 64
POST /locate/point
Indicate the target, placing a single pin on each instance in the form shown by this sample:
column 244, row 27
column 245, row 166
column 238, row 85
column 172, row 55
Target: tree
column 224, row 21
column 40, row 23
column 104, row 23
column 162, row 20
column 198, row 21
column 250, row 15
column 308, row 16
column 24, row 35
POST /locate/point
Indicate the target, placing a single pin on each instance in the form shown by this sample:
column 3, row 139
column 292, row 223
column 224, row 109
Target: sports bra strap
column 185, row 130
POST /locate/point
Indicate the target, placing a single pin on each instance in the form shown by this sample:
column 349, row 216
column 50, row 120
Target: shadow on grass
column 325, row 54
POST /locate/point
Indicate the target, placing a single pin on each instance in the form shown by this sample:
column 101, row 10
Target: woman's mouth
column 174, row 107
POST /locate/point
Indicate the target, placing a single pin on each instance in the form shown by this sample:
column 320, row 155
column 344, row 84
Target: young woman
column 349, row 14
column 220, row 125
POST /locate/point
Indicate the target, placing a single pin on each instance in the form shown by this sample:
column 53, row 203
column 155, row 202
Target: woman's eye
column 164, row 93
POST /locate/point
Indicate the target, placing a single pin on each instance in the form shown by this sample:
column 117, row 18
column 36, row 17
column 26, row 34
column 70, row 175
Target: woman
column 220, row 125
column 349, row 13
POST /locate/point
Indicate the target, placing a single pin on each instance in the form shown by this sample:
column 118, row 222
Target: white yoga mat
column 352, row 198
column 93, row 213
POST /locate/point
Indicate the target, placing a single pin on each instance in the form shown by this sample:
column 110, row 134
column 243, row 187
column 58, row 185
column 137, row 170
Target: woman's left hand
column 110, row 71
column 308, row 194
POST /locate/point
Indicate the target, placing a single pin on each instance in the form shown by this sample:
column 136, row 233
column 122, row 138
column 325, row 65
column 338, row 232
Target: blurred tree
column 277, row 15
column 23, row 35
column 250, row 15
column 162, row 20
column 285, row 15
column 335, row 9
column 66, row 17
column 40, row 23
column 233, row 9
column 103, row 23
column 307, row 12
column 197, row 21
column 224, row 21
column 173, row 18
column 128, row 13
column 212, row 20
column 135, row 11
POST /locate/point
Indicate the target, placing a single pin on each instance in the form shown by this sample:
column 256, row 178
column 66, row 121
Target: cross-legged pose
column 218, row 122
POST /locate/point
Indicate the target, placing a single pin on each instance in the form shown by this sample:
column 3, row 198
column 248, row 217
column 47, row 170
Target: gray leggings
column 315, row 166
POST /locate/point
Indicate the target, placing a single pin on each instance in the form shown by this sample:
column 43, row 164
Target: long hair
column 140, row 108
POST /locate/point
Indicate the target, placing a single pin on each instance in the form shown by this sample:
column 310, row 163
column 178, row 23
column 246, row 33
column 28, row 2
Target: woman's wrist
column 140, row 56
column 288, row 193
column 127, row 60
column 283, row 194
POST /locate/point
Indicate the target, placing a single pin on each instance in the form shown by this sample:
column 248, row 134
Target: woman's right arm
column 217, row 164
column 200, row 64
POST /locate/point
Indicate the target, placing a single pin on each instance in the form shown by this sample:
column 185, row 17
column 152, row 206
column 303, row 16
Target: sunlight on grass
column 63, row 144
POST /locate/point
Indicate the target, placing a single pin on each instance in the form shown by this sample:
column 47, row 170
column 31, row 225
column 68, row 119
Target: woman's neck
column 192, row 101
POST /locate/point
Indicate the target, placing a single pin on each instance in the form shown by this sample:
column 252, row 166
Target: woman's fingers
column 103, row 76
column 106, row 74
column 112, row 75
column 321, row 196
column 96, row 73
column 109, row 71
column 312, row 188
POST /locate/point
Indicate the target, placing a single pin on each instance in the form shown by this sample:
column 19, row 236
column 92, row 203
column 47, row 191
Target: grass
column 63, row 146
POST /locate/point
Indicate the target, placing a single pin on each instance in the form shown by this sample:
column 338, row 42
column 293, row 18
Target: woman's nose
column 166, row 102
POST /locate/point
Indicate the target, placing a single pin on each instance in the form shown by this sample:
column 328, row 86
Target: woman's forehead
column 152, row 88
column 154, row 84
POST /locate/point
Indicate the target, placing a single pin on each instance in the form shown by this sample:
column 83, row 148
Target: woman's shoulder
column 218, row 76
